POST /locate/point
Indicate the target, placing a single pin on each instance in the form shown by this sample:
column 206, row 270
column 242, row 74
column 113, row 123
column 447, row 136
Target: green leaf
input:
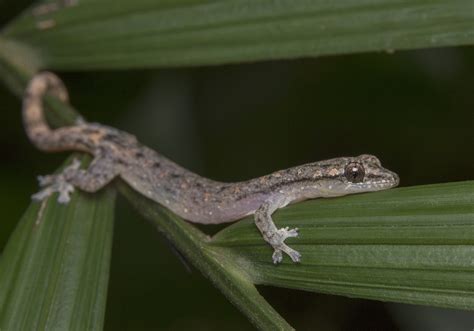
column 217, row 264
column 118, row 34
column 54, row 269
column 412, row 245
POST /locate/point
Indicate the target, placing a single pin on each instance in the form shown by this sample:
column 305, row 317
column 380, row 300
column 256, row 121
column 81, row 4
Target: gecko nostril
column 396, row 179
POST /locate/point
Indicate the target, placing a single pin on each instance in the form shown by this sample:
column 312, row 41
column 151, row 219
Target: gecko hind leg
column 275, row 237
column 100, row 172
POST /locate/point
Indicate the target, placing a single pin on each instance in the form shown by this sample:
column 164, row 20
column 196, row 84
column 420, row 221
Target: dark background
column 414, row 110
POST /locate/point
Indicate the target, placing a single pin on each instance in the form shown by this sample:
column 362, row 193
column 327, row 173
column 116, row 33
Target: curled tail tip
column 34, row 121
column 46, row 82
column 45, row 76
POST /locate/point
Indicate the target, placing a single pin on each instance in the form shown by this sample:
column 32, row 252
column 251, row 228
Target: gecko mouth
column 388, row 181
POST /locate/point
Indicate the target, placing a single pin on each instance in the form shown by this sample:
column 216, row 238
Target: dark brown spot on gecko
column 118, row 140
column 35, row 121
column 89, row 130
column 271, row 188
column 29, row 95
column 171, row 192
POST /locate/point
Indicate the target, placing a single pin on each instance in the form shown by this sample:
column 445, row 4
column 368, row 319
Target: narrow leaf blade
column 54, row 269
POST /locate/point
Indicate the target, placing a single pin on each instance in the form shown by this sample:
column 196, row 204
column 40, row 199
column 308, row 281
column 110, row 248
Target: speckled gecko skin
column 194, row 198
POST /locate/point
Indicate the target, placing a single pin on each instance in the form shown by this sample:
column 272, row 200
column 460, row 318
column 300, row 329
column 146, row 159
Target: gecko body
column 194, row 198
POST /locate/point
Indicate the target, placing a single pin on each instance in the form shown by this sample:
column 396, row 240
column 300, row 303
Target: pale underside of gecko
column 194, row 198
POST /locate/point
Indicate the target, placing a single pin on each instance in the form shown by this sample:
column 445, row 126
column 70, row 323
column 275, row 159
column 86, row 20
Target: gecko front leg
column 275, row 237
column 100, row 172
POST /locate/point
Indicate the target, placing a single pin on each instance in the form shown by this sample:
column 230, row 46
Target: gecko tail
column 34, row 120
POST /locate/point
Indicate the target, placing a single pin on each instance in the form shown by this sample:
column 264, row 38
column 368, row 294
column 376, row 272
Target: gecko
column 194, row 198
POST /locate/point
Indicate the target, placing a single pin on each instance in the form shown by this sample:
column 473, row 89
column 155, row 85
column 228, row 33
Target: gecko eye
column 354, row 172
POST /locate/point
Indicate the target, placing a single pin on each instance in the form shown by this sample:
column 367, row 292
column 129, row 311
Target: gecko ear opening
column 354, row 172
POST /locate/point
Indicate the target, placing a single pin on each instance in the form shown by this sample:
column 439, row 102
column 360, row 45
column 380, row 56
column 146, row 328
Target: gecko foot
column 277, row 242
column 57, row 183
column 47, row 180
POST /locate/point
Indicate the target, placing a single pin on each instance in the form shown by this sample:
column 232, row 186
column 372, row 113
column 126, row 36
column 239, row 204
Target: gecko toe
column 294, row 255
column 277, row 256
column 45, row 180
column 293, row 232
column 64, row 198
column 43, row 194
column 287, row 232
column 65, row 191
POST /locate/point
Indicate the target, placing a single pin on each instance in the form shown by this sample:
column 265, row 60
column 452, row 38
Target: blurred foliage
column 9, row 9
column 54, row 270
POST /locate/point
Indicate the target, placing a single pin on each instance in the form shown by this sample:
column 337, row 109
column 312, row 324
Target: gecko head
column 365, row 173
column 348, row 175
